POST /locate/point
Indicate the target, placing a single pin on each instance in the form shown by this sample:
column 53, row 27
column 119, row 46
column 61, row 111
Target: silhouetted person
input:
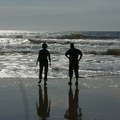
column 73, row 112
column 43, row 107
column 74, row 55
column 43, row 57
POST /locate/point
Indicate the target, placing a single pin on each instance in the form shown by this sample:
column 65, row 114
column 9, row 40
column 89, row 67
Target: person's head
column 44, row 45
column 71, row 45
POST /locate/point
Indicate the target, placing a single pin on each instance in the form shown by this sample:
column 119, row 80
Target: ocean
column 99, row 68
column 19, row 51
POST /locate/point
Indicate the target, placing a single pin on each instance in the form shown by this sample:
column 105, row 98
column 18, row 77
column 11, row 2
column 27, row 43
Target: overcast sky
column 58, row 15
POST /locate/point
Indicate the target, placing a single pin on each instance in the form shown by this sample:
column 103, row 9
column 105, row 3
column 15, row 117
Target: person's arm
column 80, row 55
column 37, row 59
column 67, row 55
column 49, row 58
column 37, row 62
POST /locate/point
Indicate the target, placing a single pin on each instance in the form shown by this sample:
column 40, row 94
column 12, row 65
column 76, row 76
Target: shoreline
column 89, row 82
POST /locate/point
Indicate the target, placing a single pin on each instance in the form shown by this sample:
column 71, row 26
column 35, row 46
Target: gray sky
column 58, row 15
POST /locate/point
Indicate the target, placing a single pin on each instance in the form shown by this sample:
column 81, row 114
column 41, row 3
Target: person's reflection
column 73, row 112
column 43, row 107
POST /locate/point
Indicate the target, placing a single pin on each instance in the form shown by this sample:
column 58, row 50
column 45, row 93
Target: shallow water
column 18, row 54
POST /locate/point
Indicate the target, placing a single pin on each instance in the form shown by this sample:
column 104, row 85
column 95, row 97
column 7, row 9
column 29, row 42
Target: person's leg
column 45, row 72
column 40, row 72
column 70, row 74
column 76, row 74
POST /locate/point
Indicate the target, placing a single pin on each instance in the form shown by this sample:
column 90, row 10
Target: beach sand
column 19, row 98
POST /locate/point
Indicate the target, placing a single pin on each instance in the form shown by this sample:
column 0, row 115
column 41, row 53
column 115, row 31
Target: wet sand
column 20, row 98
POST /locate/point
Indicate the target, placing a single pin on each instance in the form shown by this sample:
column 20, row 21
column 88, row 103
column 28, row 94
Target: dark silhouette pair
column 43, row 107
column 74, row 55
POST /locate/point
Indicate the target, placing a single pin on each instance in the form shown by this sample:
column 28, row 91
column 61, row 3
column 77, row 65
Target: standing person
column 74, row 55
column 43, row 57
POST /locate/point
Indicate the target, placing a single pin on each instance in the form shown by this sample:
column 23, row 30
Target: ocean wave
column 115, row 52
column 61, row 35
column 11, row 41
column 16, row 52
column 77, row 41
column 50, row 41
column 91, row 42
